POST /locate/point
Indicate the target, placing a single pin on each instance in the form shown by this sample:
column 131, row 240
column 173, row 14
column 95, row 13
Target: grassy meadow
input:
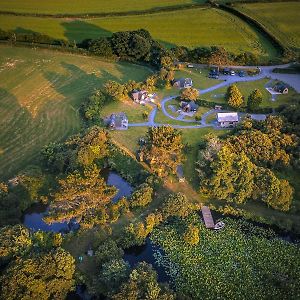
column 191, row 28
column 40, row 95
column 281, row 19
column 90, row 6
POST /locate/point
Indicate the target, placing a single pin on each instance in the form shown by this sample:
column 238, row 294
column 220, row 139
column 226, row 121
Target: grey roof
column 228, row 117
column 183, row 82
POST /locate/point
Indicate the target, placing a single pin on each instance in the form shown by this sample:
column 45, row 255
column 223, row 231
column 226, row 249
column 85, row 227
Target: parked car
column 242, row 73
column 232, row 73
column 226, row 71
column 213, row 73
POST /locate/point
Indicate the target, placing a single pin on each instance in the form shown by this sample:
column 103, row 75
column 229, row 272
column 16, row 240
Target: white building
column 227, row 119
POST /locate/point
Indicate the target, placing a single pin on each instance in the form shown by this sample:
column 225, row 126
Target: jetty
column 207, row 217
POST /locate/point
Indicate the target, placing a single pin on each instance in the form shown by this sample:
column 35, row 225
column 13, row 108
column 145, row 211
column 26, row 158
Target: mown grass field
column 40, row 95
column 191, row 28
column 281, row 19
column 82, row 6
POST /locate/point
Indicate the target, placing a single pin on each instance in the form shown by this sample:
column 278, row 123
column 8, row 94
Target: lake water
column 33, row 217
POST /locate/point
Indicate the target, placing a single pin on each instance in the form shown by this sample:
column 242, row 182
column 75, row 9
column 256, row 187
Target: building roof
column 116, row 120
column 137, row 94
column 193, row 105
column 184, row 82
column 228, row 117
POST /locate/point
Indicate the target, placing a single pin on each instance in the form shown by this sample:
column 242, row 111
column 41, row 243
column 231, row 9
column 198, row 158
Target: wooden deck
column 208, row 219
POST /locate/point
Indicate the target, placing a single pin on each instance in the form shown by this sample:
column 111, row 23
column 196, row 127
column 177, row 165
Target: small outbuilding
column 227, row 119
column 182, row 83
column 118, row 121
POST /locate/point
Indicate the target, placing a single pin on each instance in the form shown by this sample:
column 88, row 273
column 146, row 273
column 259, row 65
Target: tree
column 189, row 94
column 176, row 205
column 191, row 236
column 142, row 196
column 163, row 150
column 254, row 99
column 114, row 89
column 275, row 192
column 101, row 47
column 142, row 284
column 219, row 57
column 43, row 276
column 80, row 197
column 14, row 240
column 112, row 274
column 107, row 251
column 232, row 177
column 234, row 96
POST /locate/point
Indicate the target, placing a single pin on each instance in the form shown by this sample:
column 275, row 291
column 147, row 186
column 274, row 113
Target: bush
column 141, row 196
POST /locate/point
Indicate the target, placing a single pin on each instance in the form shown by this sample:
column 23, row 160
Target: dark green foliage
column 254, row 100
column 176, row 205
column 142, row 196
column 101, row 47
column 92, row 107
column 142, row 284
column 107, row 251
column 42, row 276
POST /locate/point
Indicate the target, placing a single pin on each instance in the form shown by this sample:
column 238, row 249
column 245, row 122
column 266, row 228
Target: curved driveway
column 265, row 72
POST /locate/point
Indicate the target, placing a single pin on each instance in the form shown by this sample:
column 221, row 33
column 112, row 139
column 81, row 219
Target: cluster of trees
column 77, row 152
column 244, row 166
column 191, row 94
column 235, row 98
column 162, row 150
column 35, row 266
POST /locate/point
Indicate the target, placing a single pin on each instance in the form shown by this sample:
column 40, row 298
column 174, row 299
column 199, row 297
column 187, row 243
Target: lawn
column 191, row 28
column 246, row 88
column 281, row 19
column 81, row 6
column 133, row 110
column 199, row 77
column 40, row 95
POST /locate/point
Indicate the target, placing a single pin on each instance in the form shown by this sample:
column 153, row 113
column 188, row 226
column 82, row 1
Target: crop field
column 40, row 95
column 191, row 28
column 90, row 6
column 281, row 19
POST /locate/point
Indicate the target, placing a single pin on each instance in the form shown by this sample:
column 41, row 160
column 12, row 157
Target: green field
column 246, row 88
column 40, row 95
column 82, row 6
column 281, row 19
column 191, row 28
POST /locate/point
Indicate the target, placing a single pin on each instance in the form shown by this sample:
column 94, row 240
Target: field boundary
column 92, row 15
column 282, row 49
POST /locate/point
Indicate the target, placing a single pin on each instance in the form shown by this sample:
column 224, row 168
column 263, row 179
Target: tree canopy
column 80, row 197
column 234, row 96
column 163, row 150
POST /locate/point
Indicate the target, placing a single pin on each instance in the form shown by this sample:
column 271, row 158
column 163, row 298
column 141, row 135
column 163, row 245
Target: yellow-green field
column 40, row 95
column 281, row 19
column 86, row 6
column 191, row 28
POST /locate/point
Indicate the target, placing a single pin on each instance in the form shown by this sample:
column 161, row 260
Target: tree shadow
column 76, row 81
column 25, row 31
column 79, row 30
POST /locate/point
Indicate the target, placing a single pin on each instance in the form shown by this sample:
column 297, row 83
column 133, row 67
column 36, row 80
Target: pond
column 33, row 216
column 137, row 254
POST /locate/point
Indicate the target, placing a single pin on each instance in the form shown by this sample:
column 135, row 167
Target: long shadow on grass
column 77, row 83
column 80, row 30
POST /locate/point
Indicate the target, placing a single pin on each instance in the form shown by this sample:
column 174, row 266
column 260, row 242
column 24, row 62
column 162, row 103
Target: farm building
column 189, row 106
column 118, row 121
column 281, row 88
column 227, row 119
column 182, row 83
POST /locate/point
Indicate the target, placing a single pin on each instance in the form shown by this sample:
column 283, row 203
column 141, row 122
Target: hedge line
column 109, row 14
column 284, row 51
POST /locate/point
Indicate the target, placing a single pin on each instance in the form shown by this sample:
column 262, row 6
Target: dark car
column 213, row 74
column 242, row 73
column 226, row 71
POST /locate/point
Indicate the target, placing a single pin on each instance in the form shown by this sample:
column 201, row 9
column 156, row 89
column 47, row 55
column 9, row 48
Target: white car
column 232, row 73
